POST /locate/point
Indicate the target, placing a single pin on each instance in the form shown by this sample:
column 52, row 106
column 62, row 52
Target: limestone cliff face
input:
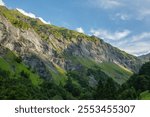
column 45, row 54
column 27, row 44
column 100, row 51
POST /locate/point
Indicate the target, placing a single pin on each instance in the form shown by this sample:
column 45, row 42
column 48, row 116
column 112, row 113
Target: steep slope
column 52, row 51
column 12, row 65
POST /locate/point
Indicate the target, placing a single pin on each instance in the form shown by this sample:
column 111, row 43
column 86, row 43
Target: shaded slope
column 138, row 85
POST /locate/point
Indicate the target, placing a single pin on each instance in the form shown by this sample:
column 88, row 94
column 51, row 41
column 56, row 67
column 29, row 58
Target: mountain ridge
column 51, row 50
column 145, row 58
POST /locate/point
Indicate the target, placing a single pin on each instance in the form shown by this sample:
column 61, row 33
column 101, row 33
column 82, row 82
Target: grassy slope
column 9, row 63
column 59, row 76
column 21, row 21
column 118, row 73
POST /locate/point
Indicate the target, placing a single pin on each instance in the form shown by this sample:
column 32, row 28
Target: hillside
column 73, row 62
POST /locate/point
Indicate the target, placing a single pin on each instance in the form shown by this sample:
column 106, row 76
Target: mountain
column 63, row 58
column 145, row 58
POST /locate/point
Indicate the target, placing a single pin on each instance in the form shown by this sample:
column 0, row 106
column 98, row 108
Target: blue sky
column 122, row 23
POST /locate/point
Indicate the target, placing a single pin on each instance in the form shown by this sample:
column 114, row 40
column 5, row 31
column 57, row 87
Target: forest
column 21, row 87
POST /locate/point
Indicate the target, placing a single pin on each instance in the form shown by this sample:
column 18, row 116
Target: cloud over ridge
column 118, row 35
column 32, row 15
column 80, row 29
column 2, row 3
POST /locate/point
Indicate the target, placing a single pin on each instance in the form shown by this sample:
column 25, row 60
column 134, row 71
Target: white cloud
column 25, row 13
column 141, row 37
column 125, row 40
column 136, row 9
column 2, row 3
column 80, row 30
column 106, row 4
column 45, row 22
column 137, row 49
column 136, row 44
column 32, row 15
column 118, row 35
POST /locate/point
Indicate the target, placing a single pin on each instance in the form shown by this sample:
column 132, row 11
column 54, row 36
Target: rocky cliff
column 52, row 50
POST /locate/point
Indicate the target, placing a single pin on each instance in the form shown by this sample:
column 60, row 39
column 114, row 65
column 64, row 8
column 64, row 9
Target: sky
column 123, row 23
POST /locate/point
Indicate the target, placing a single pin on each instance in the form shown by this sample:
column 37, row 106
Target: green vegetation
column 23, row 88
column 16, row 69
column 82, row 60
column 138, row 86
column 59, row 33
column 17, row 81
column 44, row 30
column 78, row 84
column 16, row 18
column 118, row 73
column 145, row 95
column 58, row 77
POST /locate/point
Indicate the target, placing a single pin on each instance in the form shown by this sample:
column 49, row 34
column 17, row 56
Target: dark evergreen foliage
column 74, row 88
